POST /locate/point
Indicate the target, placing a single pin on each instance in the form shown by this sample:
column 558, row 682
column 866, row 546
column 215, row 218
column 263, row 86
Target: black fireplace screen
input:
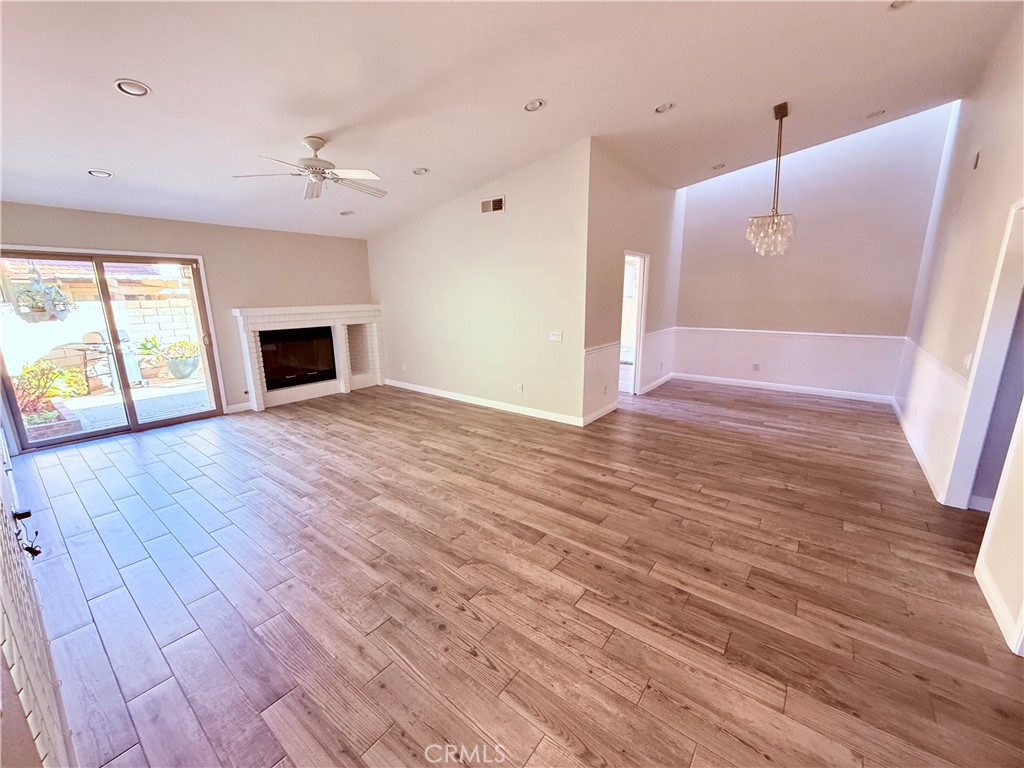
column 296, row 356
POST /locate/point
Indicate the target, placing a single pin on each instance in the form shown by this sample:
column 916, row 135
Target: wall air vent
column 494, row 205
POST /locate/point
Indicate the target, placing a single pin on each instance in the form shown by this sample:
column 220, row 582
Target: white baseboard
column 1013, row 633
column 536, row 413
column 237, row 408
column 657, row 383
column 980, row 503
column 592, row 417
column 838, row 393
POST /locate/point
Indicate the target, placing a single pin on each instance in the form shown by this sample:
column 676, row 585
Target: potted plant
column 182, row 358
column 43, row 302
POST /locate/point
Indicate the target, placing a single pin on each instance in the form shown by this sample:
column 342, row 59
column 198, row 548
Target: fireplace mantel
column 370, row 312
column 363, row 353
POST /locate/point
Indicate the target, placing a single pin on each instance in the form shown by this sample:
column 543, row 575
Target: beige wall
column 861, row 204
column 469, row 298
column 957, row 273
column 244, row 267
column 628, row 211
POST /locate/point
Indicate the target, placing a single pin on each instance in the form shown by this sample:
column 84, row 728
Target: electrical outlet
column 967, row 360
column 554, row 335
column 519, row 387
column 757, row 366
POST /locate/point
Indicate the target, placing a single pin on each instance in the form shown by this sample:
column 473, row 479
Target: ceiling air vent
column 494, row 205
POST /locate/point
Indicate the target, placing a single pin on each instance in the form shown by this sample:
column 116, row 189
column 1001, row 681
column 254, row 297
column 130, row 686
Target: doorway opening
column 1005, row 407
column 98, row 345
column 634, row 303
column 986, row 377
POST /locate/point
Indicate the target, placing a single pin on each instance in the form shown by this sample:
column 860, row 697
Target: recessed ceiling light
column 876, row 113
column 663, row 108
column 718, row 167
column 131, row 87
column 421, row 171
column 346, row 213
column 895, row 5
column 99, row 173
column 534, row 105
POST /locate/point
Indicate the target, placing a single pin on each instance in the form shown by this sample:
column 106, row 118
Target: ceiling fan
column 317, row 171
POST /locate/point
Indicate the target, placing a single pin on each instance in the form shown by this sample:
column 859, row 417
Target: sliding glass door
column 96, row 345
column 161, row 327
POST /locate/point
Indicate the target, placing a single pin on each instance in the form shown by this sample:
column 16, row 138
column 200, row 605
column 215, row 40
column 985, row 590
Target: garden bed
column 66, row 423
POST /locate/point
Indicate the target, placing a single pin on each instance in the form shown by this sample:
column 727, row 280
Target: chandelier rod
column 781, row 112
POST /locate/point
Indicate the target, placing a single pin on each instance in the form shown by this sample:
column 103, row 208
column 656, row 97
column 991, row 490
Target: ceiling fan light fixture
column 313, row 189
column 317, row 171
column 534, row 105
column 771, row 235
column 131, row 87
column 99, row 173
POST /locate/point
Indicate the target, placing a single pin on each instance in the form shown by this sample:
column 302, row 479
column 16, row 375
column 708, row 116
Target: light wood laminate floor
column 709, row 576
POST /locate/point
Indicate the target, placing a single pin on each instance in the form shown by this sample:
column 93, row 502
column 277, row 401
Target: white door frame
column 989, row 357
column 641, row 320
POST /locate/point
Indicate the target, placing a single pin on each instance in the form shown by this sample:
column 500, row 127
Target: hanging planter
column 41, row 303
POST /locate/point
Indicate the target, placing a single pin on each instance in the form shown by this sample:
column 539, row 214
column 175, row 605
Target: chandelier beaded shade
column 771, row 235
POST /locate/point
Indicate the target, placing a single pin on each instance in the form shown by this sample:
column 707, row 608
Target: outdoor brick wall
column 168, row 319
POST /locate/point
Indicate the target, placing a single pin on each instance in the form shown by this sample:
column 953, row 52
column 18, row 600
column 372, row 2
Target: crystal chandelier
column 772, row 234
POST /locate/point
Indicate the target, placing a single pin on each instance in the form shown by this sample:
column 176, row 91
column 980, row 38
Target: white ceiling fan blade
column 312, row 190
column 254, row 175
column 364, row 188
column 355, row 173
column 275, row 160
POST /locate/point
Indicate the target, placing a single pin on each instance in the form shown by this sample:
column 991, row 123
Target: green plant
column 72, row 383
column 40, row 382
column 181, row 350
column 45, row 298
column 34, row 387
column 42, row 417
column 149, row 350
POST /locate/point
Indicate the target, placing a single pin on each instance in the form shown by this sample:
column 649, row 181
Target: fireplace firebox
column 294, row 356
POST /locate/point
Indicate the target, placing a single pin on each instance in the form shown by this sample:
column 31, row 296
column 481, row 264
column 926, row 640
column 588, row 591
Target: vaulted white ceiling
column 393, row 86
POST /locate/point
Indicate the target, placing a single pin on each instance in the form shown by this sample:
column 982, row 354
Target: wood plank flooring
column 707, row 577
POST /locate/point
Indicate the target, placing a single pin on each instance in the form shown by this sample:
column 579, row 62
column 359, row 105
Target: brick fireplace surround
column 357, row 348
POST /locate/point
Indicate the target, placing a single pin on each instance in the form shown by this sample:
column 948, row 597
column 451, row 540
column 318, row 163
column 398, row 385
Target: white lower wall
column 659, row 358
column 930, row 398
column 840, row 365
column 999, row 568
column 600, row 381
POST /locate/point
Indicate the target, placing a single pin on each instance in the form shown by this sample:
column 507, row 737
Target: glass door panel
column 61, row 371
column 161, row 324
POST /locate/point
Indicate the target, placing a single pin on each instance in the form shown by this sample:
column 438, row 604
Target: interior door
column 163, row 338
column 61, row 372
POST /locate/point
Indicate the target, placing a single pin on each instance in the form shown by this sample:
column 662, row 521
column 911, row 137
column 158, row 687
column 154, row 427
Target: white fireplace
column 355, row 329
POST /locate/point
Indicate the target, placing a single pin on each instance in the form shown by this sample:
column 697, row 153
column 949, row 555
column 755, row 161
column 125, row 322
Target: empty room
column 535, row 384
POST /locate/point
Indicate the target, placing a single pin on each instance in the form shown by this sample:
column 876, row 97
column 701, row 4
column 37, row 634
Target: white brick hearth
column 357, row 348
